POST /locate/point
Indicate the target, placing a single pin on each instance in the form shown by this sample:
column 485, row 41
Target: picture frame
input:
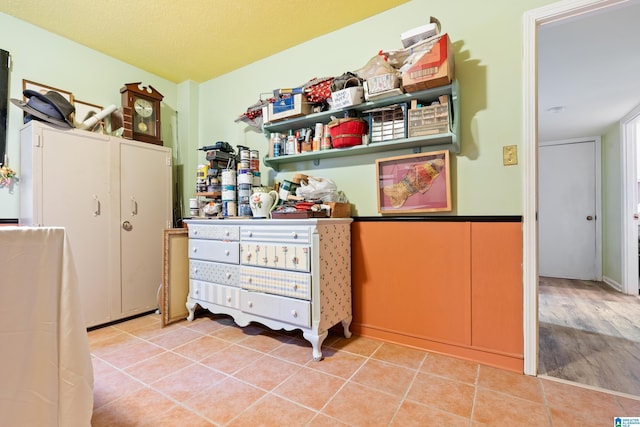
column 42, row 88
column 414, row 183
column 175, row 276
column 83, row 109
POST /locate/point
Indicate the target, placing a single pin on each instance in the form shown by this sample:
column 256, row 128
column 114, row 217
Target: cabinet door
column 74, row 189
column 145, row 211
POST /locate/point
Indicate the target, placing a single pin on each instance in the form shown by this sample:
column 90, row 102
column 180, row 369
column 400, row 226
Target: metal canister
column 228, row 192
column 257, row 179
column 244, row 209
column 228, row 177
column 229, row 208
column 244, row 192
column 245, row 176
column 245, row 154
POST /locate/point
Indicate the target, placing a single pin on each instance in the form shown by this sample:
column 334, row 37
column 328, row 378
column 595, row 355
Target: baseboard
column 615, row 285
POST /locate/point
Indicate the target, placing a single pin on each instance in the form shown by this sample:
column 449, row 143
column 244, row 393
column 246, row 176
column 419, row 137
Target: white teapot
column 262, row 201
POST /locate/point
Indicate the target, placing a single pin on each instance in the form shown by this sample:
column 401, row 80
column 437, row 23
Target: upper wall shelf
column 448, row 140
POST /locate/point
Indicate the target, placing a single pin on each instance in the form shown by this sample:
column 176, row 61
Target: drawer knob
column 195, row 232
column 227, row 233
column 195, row 250
column 228, row 275
column 251, row 234
column 228, row 299
column 195, row 270
column 250, row 304
column 295, row 235
column 294, row 313
column 227, row 252
column 295, row 287
column 197, row 292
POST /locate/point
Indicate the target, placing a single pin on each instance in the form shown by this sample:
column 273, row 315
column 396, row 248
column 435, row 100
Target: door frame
column 531, row 20
column 629, row 161
column 597, row 171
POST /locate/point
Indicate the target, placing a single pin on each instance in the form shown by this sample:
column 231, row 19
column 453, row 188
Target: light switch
column 510, row 155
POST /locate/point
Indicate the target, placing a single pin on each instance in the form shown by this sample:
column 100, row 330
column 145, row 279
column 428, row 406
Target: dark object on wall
column 4, row 101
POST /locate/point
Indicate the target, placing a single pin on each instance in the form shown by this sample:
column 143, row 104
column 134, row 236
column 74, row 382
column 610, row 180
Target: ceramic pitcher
column 262, row 201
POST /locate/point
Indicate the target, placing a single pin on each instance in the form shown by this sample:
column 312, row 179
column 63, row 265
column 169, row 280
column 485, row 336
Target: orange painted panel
column 496, row 271
column 413, row 279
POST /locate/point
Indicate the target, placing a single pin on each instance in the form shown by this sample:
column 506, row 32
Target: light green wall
column 488, row 54
column 46, row 58
column 611, row 202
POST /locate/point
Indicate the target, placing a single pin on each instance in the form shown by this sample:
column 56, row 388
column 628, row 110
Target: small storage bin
column 388, row 123
column 347, row 132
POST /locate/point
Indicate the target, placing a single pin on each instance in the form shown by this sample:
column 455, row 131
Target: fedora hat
column 50, row 107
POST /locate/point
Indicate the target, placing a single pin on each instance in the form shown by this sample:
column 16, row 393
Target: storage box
column 382, row 83
column 339, row 210
column 347, row 97
column 414, row 35
column 431, row 120
column 434, row 68
column 388, row 123
column 287, row 107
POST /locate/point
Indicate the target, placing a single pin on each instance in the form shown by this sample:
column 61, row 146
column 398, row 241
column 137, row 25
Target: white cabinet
column 285, row 274
column 113, row 196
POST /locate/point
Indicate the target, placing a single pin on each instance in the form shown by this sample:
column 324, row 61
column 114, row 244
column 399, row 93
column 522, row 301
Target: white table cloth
column 46, row 376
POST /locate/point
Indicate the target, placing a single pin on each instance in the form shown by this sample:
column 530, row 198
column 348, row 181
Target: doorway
column 630, row 136
column 532, row 21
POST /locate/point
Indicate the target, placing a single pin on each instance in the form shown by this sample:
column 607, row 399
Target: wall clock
column 144, row 106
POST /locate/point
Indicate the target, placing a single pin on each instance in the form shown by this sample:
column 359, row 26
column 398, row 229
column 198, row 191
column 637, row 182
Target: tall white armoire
column 113, row 196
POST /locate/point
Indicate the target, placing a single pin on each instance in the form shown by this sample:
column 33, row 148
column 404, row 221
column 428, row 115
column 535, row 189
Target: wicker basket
column 347, row 132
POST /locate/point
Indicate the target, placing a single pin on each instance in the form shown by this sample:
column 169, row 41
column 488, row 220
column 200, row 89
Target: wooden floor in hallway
column 589, row 334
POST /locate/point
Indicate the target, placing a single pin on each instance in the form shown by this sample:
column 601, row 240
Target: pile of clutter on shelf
column 310, row 197
column 425, row 61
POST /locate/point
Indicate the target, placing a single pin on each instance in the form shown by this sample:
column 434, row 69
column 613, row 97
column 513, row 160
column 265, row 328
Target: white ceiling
column 590, row 65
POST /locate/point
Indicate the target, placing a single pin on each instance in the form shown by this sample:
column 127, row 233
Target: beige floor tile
column 442, row 393
column 450, row 367
column 187, row 382
column 267, row 372
column 111, row 386
column 154, row 368
column 412, row 414
column 339, row 363
column 175, row 338
column 321, row 420
column 134, row 353
column 400, row 355
column 265, row 341
column 522, row 386
column 273, row 411
column 384, row 376
column 358, row 405
column 496, row 408
column 295, row 351
column 310, row 388
column 358, row 345
column 114, row 342
column 235, row 358
column 132, row 409
column 177, row 416
column 201, row 347
column 224, row 400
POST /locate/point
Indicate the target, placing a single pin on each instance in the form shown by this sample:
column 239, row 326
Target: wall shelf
column 447, row 140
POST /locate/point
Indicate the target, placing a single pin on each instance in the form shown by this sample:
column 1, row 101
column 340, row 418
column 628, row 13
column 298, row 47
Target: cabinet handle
column 228, row 275
column 295, row 235
column 195, row 232
column 134, row 206
column 294, row 313
column 227, row 233
column 195, row 270
column 195, row 250
column 227, row 252
column 250, row 304
column 197, row 292
column 251, row 234
column 96, row 205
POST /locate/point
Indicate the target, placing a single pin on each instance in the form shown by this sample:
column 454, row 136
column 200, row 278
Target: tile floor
column 210, row 372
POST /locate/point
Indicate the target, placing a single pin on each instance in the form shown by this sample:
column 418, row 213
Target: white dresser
column 284, row 274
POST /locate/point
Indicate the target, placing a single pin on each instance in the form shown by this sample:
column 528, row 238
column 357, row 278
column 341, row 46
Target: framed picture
column 84, row 109
column 175, row 275
column 39, row 87
column 414, row 183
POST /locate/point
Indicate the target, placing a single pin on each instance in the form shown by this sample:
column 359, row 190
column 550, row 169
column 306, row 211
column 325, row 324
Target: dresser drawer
column 225, row 274
column 288, row 310
column 276, row 234
column 278, row 282
column 215, row 294
column 285, row 257
column 214, row 232
column 214, row 250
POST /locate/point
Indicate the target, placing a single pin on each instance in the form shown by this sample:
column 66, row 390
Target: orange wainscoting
column 449, row 287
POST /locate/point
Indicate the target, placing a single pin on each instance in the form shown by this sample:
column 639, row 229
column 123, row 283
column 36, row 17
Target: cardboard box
column 431, row 120
column 287, row 107
column 388, row 123
column 434, row 68
column 347, row 97
column 339, row 210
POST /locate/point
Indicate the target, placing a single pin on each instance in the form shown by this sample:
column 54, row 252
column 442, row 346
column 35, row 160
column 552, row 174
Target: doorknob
column 589, row 218
column 126, row 225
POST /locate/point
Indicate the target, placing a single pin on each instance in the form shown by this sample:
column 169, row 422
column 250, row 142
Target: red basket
column 347, row 132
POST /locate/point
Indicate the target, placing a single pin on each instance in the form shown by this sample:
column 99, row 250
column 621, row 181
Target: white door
column 75, row 195
column 567, row 210
column 145, row 211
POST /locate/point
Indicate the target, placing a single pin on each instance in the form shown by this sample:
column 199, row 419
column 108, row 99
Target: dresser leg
column 316, row 341
column 345, row 325
column 191, row 306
